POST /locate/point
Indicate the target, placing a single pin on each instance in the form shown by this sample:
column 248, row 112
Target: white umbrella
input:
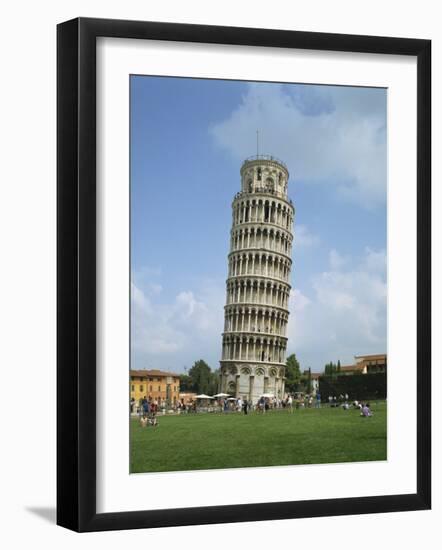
column 267, row 395
column 203, row 396
column 221, row 395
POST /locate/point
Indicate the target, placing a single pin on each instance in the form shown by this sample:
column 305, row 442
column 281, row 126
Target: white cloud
column 375, row 260
column 298, row 300
column 170, row 334
column 337, row 261
column 346, row 314
column 151, row 332
column 304, row 238
column 332, row 135
column 155, row 288
column 139, row 300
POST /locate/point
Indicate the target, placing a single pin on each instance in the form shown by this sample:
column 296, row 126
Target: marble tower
column 254, row 340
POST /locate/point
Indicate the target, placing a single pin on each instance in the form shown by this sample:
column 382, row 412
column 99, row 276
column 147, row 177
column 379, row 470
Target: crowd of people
column 147, row 408
column 246, row 405
column 343, row 401
column 137, row 407
column 148, row 411
column 266, row 403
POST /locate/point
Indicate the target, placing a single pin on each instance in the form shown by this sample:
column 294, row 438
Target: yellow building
column 156, row 384
column 367, row 364
column 372, row 363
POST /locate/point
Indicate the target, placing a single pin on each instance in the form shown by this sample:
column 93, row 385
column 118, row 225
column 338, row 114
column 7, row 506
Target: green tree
column 200, row 375
column 292, row 373
column 309, row 380
column 331, row 369
column 213, row 382
column 186, row 383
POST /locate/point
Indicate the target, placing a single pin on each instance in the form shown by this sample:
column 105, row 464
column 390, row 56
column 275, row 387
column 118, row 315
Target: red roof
column 152, row 372
column 374, row 356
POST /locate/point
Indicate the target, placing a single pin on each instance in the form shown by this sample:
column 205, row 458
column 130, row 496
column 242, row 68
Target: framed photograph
column 243, row 274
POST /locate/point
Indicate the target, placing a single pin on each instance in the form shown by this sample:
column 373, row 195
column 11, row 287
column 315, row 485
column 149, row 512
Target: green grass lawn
column 307, row 436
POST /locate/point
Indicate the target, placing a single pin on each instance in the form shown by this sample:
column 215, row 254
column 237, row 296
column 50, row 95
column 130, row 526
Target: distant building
column 315, row 382
column 314, row 377
column 366, row 364
column 372, row 363
column 187, row 397
column 352, row 369
column 157, row 384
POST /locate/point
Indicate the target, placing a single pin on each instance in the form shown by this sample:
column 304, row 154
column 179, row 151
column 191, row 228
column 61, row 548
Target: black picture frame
column 77, row 287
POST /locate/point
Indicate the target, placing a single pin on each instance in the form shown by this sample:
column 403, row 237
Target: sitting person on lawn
column 365, row 411
column 153, row 419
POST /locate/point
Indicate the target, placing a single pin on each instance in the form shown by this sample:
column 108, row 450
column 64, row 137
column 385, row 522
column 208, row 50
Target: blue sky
column 188, row 140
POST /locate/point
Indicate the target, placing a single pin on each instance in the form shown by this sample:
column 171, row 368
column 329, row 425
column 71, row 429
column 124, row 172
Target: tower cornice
column 243, row 195
column 266, row 251
column 251, row 305
column 258, row 278
column 254, row 334
column 268, row 160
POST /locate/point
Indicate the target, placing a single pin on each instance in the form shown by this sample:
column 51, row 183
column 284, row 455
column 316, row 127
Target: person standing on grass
column 318, row 400
column 145, row 406
column 246, row 406
column 290, row 403
column 261, row 404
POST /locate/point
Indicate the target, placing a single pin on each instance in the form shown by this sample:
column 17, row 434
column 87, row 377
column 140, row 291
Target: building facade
column 254, row 340
column 314, row 380
column 367, row 364
column 372, row 364
column 159, row 385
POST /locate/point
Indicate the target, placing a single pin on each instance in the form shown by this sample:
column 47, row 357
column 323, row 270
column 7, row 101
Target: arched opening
column 266, row 212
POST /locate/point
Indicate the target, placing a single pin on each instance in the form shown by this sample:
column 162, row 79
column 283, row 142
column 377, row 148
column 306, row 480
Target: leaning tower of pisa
column 254, row 340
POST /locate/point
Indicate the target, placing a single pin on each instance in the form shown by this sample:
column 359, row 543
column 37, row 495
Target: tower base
column 251, row 381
